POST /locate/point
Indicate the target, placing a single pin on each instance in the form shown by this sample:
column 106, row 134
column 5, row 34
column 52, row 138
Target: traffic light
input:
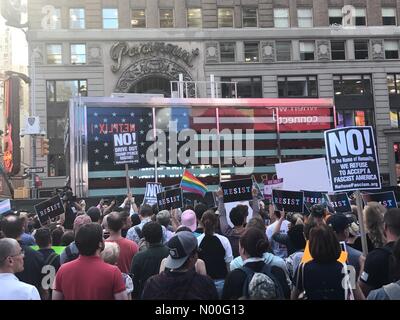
column 44, row 147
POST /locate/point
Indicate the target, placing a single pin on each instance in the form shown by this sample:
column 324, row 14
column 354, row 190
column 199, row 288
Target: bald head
column 8, row 247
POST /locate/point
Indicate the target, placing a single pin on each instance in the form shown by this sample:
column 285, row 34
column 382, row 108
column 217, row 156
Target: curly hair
column 373, row 214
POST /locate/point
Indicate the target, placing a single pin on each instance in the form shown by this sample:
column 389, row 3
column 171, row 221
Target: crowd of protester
column 129, row 252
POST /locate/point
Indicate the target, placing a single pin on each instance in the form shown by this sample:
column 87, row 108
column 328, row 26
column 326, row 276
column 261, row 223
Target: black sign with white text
column 352, row 159
column 387, row 199
column 125, row 148
column 237, row 190
column 290, row 201
column 311, row 198
column 340, row 202
column 150, row 195
column 49, row 209
column 170, row 199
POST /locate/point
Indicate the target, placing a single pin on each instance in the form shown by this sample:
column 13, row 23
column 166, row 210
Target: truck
column 115, row 141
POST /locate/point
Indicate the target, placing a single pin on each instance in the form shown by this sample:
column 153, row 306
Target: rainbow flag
column 191, row 184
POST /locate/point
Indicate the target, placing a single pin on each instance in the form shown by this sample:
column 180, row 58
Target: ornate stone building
column 271, row 48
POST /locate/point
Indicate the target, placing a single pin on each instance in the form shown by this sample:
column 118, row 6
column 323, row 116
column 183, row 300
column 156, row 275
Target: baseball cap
column 180, row 248
column 339, row 222
column 189, row 220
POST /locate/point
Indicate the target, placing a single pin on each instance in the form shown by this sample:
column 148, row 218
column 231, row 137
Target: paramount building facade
column 270, row 48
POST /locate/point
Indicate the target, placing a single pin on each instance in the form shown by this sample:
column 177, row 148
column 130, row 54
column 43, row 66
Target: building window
column 335, row 16
column 391, row 49
column 361, row 19
column 249, row 17
column 307, row 49
column 194, row 18
column 348, row 118
column 338, row 50
column 54, row 22
column 110, row 18
column 283, row 50
column 77, row 18
column 227, row 51
column 393, row 82
column 305, row 17
column 225, row 18
column 166, row 18
column 247, row 87
column 297, row 87
column 251, row 51
column 58, row 95
column 361, row 51
column 281, row 18
column 352, row 85
column 389, row 16
column 78, row 53
column 138, row 18
column 54, row 54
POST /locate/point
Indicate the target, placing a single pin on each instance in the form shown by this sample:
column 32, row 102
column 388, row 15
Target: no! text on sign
column 352, row 159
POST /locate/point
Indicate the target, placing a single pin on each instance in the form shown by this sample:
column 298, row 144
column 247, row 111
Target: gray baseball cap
column 180, row 247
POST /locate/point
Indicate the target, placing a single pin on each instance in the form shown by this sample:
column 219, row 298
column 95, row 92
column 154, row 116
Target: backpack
column 70, row 256
column 261, row 285
column 51, row 258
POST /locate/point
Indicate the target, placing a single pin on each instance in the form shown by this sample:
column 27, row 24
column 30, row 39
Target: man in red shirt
column 88, row 277
column 127, row 248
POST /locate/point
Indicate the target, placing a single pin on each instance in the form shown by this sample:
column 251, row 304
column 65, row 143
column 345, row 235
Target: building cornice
column 214, row 34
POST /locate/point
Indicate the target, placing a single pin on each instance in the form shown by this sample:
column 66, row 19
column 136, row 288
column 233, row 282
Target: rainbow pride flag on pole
column 191, row 184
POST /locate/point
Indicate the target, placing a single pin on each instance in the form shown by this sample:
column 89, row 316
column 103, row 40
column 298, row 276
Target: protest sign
column 270, row 184
column 339, row 202
column 49, row 209
column 304, row 175
column 150, row 195
column 237, row 190
column 387, row 199
column 170, row 199
column 125, row 148
column 290, row 201
column 352, row 159
column 311, row 198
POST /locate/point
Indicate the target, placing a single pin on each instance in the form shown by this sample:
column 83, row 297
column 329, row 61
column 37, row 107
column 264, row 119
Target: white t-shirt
column 279, row 250
column 13, row 289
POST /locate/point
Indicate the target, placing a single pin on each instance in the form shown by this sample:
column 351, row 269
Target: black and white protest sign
column 290, row 201
column 150, row 195
column 311, row 198
column 339, row 202
column 387, row 199
column 170, row 199
column 352, row 159
column 237, row 190
column 125, row 148
column 49, row 209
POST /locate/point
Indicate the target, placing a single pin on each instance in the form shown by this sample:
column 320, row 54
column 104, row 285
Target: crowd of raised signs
column 122, row 251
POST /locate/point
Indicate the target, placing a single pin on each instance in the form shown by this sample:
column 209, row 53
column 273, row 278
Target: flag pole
column 361, row 222
column 128, row 186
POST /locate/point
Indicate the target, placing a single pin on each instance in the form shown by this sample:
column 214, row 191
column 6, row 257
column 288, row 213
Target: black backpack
column 265, row 272
column 51, row 258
